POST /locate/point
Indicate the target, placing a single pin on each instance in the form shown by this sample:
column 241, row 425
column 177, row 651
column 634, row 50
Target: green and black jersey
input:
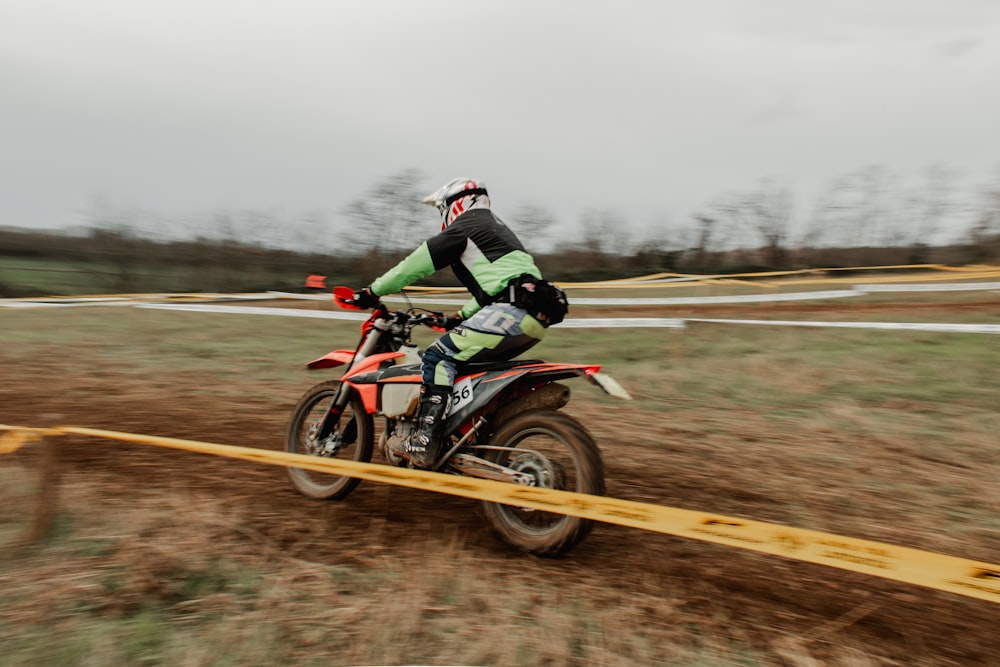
column 482, row 251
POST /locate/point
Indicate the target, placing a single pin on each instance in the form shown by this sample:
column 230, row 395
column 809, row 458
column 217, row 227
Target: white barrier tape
column 898, row 326
column 955, row 287
column 594, row 322
column 257, row 310
column 174, row 300
column 637, row 322
column 5, row 303
column 952, row 574
column 622, row 322
column 602, row 323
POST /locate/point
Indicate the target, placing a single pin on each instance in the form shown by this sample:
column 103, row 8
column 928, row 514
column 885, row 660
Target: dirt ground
column 763, row 600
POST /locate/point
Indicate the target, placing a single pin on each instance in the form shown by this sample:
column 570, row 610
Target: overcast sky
column 652, row 108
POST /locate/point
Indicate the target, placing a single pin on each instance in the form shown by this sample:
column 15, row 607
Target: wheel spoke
column 555, row 452
column 351, row 439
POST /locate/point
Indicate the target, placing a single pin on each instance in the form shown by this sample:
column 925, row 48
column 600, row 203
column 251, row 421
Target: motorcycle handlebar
column 343, row 296
column 407, row 318
column 432, row 320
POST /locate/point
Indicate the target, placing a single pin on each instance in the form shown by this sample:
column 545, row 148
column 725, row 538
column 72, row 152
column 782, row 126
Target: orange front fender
column 332, row 359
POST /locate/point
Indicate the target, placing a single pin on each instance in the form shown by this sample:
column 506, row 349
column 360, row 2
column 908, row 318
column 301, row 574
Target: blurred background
column 281, row 139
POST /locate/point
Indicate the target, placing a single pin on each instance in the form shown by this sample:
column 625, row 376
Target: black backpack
column 546, row 302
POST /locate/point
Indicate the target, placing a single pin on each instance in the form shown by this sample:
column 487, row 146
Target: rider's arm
column 433, row 254
column 415, row 266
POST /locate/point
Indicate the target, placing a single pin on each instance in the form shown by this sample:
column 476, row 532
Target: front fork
column 343, row 395
column 328, row 440
column 332, row 417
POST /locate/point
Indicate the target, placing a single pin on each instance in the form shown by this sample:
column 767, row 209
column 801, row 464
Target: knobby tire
column 311, row 407
column 578, row 467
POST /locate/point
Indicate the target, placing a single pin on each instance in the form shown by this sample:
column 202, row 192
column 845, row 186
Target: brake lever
column 433, row 320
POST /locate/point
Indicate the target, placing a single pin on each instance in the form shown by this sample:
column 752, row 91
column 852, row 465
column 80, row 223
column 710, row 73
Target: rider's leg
column 424, row 447
column 496, row 333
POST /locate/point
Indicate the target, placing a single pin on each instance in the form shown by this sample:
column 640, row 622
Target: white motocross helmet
column 458, row 196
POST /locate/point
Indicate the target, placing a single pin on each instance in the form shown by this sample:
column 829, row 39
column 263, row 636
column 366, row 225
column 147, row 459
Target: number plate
column 461, row 395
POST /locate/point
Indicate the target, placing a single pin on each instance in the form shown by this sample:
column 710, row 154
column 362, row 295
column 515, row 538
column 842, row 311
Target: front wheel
column 352, row 438
column 558, row 453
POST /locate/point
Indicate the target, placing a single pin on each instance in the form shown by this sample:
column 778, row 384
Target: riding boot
column 424, row 447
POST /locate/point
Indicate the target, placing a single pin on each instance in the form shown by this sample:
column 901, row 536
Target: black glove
column 449, row 322
column 363, row 298
column 444, row 322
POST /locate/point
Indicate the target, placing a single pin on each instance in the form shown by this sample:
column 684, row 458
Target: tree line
column 864, row 219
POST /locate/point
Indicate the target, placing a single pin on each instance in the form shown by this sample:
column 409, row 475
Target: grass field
column 163, row 558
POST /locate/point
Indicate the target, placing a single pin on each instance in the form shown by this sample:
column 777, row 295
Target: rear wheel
column 352, row 439
column 558, row 453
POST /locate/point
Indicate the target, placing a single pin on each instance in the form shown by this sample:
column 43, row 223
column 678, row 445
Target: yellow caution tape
column 915, row 278
column 13, row 438
column 938, row 571
column 11, row 441
column 813, row 276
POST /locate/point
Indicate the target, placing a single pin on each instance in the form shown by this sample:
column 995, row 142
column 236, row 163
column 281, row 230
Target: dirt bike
column 503, row 424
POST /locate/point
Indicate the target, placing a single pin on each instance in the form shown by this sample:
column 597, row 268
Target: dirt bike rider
column 493, row 265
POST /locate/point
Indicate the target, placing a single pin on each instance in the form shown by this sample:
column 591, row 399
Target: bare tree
column 660, row 249
column 533, row 224
column 387, row 219
column 704, row 236
column 873, row 186
column 766, row 215
column 983, row 242
column 930, row 204
column 817, row 229
column 857, row 211
column 605, row 232
column 113, row 231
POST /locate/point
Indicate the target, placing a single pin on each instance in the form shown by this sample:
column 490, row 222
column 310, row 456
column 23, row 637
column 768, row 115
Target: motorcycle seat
column 485, row 366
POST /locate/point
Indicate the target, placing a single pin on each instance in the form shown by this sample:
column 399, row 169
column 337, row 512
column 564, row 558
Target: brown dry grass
column 161, row 557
